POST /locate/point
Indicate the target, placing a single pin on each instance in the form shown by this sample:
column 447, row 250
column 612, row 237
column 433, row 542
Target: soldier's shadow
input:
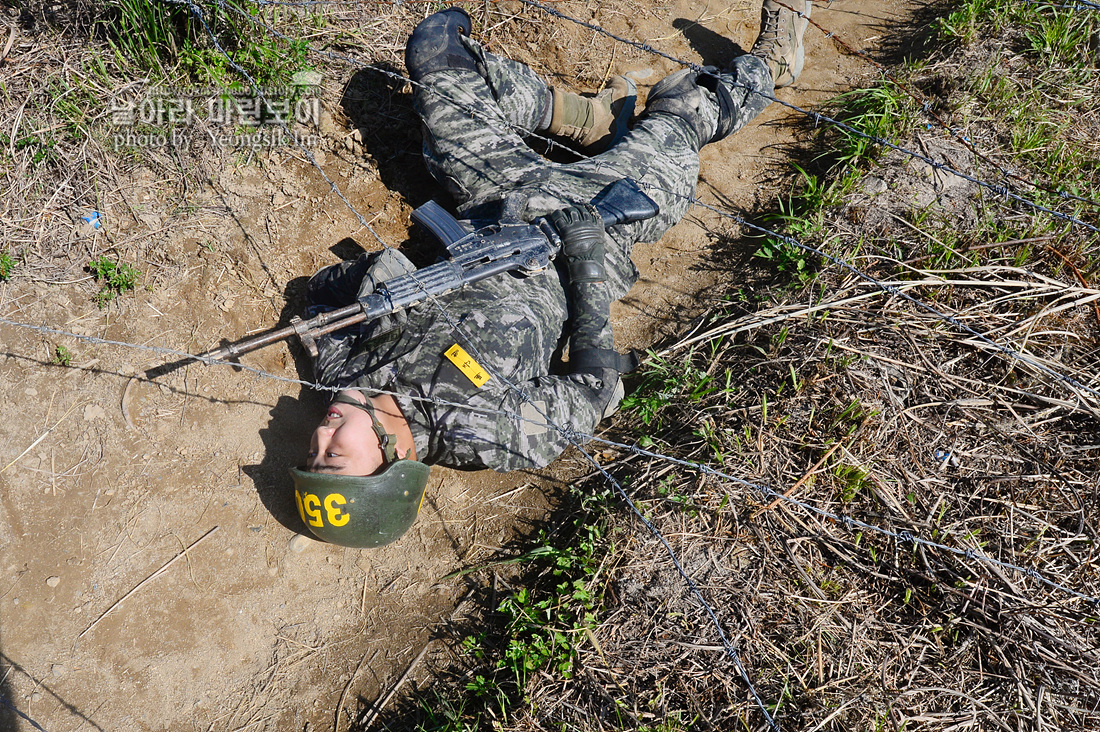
column 286, row 440
column 713, row 48
column 286, row 436
column 380, row 107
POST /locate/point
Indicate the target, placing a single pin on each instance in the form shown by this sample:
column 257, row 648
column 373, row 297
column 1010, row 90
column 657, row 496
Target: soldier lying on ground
column 412, row 398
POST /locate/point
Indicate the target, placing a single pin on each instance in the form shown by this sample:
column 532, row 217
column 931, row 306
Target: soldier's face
column 344, row 443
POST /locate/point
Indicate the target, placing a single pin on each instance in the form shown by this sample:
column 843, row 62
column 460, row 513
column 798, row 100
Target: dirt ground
column 106, row 623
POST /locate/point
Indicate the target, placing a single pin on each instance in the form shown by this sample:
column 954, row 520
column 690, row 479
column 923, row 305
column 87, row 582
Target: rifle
column 492, row 250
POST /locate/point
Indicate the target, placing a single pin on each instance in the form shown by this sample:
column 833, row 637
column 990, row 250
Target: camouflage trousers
column 475, row 125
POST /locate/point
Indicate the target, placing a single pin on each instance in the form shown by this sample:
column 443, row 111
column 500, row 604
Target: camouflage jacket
column 510, row 329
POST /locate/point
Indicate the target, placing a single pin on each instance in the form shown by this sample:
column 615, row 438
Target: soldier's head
column 346, row 441
column 354, row 489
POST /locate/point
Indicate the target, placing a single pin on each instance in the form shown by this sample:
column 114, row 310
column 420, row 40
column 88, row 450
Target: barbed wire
column 568, row 431
column 951, row 320
column 926, row 108
column 1079, row 5
column 576, row 440
column 895, row 291
column 849, row 522
column 891, row 289
column 997, row 189
column 196, row 11
column 1012, row 353
column 574, row 437
column 475, row 113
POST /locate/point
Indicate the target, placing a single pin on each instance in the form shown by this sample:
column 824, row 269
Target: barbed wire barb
column 576, row 438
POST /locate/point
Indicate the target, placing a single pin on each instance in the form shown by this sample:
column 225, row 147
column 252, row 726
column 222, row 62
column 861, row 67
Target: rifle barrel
column 320, row 325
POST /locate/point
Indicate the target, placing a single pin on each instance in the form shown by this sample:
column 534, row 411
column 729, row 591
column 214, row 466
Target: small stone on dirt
column 31, row 392
column 93, row 412
column 58, row 670
column 300, row 543
column 36, row 696
column 53, row 581
column 326, row 125
column 873, row 186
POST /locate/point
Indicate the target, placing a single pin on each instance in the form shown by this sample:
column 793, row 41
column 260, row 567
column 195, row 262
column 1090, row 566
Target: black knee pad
column 710, row 80
column 681, row 94
column 435, row 44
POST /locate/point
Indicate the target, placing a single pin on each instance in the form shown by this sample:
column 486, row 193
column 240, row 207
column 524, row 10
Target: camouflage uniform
column 514, row 327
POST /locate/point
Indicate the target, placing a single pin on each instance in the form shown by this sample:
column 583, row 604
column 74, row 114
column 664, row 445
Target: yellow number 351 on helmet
column 361, row 511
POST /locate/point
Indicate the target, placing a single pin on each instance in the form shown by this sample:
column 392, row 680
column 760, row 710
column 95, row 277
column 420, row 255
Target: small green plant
column 115, row 278
column 667, row 380
column 7, row 265
column 851, row 479
column 543, row 627
column 786, row 257
column 62, row 356
column 42, row 148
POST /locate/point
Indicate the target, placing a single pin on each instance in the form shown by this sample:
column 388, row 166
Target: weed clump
column 115, row 278
column 62, row 356
column 7, row 266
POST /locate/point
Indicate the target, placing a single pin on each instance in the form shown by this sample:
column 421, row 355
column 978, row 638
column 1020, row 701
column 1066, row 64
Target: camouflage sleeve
column 528, row 430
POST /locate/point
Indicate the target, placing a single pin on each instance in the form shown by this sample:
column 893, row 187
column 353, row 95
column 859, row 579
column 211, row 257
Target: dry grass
column 849, row 629
column 854, row 400
column 858, row 404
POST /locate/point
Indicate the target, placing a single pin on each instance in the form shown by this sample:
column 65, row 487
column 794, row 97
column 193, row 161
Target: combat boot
column 594, row 123
column 780, row 41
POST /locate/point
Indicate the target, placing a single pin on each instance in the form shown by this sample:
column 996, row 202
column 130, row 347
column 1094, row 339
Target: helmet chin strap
column 386, row 440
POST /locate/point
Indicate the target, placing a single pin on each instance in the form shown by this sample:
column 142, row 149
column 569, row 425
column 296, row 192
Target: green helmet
column 361, row 511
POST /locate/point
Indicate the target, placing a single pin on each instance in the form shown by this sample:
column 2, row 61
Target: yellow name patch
column 470, row 368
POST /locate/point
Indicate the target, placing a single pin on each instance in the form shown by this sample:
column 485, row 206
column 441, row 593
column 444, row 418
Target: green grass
column 1021, row 102
column 42, row 149
column 540, row 627
column 881, row 112
column 666, row 380
column 167, row 42
column 62, row 356
column 1037, row 113
column 7, row 266
column 115, row 278
column 1053, row 37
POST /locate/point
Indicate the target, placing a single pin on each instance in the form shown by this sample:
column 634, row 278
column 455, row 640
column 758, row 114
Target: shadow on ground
column 381, row 110
column 713, row 48
column 10, row 714
column 527, row 561
column 286, row 436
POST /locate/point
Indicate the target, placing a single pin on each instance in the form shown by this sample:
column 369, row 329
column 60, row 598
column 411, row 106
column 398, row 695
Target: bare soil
column 108, row 476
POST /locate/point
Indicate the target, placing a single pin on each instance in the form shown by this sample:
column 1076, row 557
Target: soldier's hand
column 582, row 236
